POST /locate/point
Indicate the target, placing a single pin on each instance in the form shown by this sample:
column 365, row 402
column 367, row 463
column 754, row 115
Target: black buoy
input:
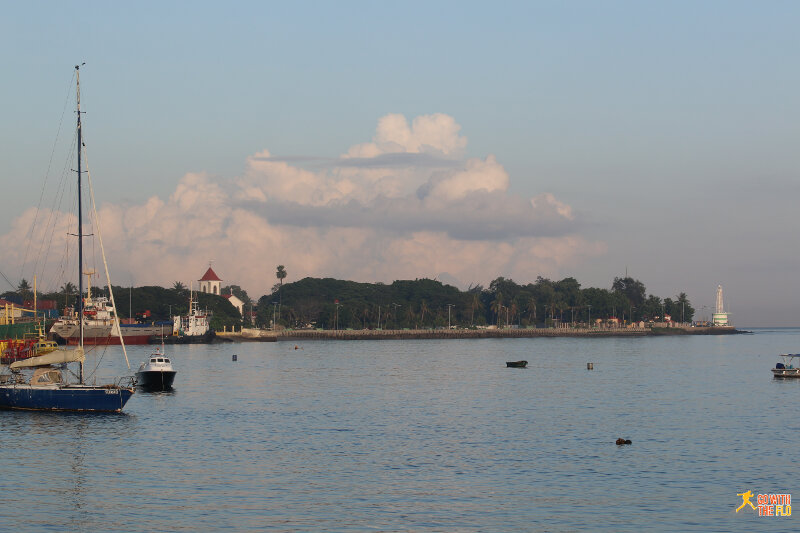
column 233, row 357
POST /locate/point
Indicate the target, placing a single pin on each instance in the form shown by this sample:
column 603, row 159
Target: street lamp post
column 395, row 313
column 274, row 305
column 449, row 306
column 590, row 316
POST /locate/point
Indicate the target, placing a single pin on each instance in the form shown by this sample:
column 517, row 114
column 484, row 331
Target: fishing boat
column 47, row 382
column 156, row 374
column 789, row 368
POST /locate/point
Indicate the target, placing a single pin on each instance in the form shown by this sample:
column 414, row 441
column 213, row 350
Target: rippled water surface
column 423, row 436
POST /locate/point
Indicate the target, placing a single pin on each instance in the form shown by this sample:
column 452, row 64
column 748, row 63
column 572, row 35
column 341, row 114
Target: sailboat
column 50, row 387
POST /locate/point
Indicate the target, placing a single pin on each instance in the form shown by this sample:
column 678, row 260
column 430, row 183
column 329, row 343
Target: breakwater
column 499, row 333
column 254, row 335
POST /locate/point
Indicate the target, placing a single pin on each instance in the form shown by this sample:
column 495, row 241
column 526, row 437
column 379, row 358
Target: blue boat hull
column 69, row 398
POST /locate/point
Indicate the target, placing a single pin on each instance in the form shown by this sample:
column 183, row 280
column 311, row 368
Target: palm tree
column 410, row 315
column 280, row 274
column 476, row 304
column 68, row 289
column 423, row 308
column 178, row 286
column 532, row 308
column 497, row 306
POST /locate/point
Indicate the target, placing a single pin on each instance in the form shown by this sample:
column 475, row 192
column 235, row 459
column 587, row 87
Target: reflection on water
column 422, row 435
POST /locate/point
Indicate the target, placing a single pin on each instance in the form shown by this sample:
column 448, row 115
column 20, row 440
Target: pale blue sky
column 669, row 128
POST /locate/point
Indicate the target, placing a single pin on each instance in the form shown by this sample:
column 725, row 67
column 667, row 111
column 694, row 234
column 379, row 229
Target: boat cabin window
column 152, row 360
column 166, row 360
column 160, row 360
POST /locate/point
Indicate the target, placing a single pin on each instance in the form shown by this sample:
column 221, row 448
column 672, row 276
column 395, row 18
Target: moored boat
column 101, row 326
column 192, row 328
column 156, row 374
column 789, row 368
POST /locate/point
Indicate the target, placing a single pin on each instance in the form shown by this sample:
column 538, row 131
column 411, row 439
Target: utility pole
column 449, row 306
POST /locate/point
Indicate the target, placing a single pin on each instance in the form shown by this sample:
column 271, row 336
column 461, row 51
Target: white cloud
column 405, row 205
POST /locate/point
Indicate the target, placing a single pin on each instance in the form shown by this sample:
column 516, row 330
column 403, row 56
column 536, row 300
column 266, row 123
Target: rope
column 105, row 263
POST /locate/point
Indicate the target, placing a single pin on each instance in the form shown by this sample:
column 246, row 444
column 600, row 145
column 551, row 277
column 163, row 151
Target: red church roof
column 210, row 276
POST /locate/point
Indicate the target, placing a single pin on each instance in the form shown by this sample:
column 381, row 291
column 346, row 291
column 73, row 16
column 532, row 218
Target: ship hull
column 64, row 398
column 207, row 338
column 155, row 379
column 104, row 335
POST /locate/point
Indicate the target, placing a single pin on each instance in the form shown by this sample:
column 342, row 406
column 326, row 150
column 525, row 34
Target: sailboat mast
column 80, row 218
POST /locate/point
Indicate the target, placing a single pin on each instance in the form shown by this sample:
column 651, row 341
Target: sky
column 376, row 141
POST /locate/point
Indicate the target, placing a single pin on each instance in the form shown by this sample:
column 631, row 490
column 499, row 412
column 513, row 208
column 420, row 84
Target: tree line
column 425, row 303
column 404, row 304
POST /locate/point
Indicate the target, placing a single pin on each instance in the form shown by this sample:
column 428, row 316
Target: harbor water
column 423, row 435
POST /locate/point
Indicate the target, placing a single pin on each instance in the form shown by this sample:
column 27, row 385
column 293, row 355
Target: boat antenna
column 80, row 217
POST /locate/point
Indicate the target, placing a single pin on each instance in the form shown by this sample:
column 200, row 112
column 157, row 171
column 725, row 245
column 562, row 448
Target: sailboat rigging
column 48, row 388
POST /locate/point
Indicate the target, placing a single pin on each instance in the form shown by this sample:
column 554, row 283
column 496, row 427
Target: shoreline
column 253, row 335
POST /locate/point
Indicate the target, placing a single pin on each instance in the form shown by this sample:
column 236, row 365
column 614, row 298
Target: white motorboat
column 157, row 373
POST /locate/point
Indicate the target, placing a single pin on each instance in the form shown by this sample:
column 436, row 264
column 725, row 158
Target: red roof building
column 210, row 282
column 210, row 275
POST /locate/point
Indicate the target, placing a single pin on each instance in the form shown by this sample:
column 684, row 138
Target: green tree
column 24, row 289
column 633, row 289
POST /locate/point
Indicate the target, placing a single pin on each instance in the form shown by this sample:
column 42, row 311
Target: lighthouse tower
column 720, row 317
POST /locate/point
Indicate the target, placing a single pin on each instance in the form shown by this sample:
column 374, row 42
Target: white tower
column 720, row 317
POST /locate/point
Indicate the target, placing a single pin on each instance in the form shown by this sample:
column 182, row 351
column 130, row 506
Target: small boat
column 516, row 364
column 156, row 374
column 790, row 368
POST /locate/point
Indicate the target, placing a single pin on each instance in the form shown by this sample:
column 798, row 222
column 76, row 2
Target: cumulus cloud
column 407, row 204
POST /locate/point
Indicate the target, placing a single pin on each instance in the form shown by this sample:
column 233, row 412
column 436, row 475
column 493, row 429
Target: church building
column 210, row 283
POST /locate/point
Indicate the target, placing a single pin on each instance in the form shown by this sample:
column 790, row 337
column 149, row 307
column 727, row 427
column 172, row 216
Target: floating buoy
column 589, row 366
column 296, row 347
column 233, row 357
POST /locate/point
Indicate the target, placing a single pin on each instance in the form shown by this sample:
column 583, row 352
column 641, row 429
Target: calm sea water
column 422, row 436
